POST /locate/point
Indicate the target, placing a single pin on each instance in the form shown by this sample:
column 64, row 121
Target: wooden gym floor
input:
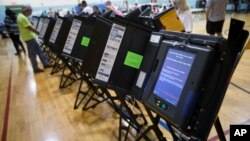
column 33, row 108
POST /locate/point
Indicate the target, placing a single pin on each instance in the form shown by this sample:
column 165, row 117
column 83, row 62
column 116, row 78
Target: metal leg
column 155, row 120
column 219, row 130
column 57, row 66
column 77, row 102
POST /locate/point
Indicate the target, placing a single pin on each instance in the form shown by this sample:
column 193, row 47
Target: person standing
column 236, row 4
column 87, row 10
column 29, row 34
column 215, row 16
column 109, row 7
column 12, row 29
column 96, row 11
column 184, row 14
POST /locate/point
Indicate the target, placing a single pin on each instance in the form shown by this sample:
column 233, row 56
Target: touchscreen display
column 173, row 75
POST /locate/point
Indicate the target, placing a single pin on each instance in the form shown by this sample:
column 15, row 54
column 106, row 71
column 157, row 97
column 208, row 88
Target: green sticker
column 85, row 41
column 133, row 60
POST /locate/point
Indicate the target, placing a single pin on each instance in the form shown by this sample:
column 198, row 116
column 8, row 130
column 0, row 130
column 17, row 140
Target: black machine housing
column 201, row 95
column 82, row 39
column 35, row 21
column 59, row 34
column 135, row 39
column 47, row 29
column 40, row 24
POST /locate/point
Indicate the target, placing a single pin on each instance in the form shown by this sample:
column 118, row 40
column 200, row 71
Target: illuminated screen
column 173, row 75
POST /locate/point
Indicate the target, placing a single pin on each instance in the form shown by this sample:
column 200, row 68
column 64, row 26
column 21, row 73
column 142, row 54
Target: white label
column 110, row 52
column 44, row 28
column 40, row 24
column 155, row 38
column 56, row 30
column 140, row 79
column 75, row 27
column 34, row 22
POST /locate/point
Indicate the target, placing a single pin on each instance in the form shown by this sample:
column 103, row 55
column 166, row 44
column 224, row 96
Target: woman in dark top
column 12, row 29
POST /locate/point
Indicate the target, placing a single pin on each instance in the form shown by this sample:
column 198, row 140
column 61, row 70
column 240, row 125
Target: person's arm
column 26, row 23
column 32, row 29
column 208, row 7
column 188, row 21
column 206, row 14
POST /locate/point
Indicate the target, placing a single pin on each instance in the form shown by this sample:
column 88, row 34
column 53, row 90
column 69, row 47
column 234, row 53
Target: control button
column 164, row 106
column 158, row 102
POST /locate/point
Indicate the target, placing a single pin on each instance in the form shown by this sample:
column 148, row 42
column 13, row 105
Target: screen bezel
column 179, row 114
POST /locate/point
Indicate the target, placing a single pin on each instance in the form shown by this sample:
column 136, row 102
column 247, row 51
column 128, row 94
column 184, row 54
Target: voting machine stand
column 93, row 96
column 71, row 77
column 136, row 42
column 45, row 34
column 101, row 25
column 130, row 112
column 57, row 41
column 76, row 47
column 56, row 44
column 209, row 106
column 119, row 102
column 73, row 55
column 126, row 66
column 48, row 27
column 98, row 94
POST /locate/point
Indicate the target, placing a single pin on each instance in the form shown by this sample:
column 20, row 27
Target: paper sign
column 40, row 24
column 75, row 27
column 155, row 38
column 85, row 41
column 44, row 28
column 34, row 22
column 133, row 60
column 110, row 52
column 56, row 30
column 140, row 79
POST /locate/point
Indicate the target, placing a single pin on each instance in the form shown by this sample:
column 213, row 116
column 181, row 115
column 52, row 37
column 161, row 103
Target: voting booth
column 34, row 21
column 59, row 34
column 46, row 29
column 179, row 73
column 188, row 82
column 40, row 24
column 122, row 45
column 77, row 42
column 112, row 49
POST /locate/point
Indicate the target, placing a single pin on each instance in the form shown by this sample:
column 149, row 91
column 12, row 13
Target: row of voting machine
column 178, row 76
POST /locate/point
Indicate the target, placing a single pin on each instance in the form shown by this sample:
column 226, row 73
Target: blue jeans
column 33, row 50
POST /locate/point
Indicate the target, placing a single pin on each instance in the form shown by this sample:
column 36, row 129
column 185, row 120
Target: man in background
column 215, row 16
column 12, row 29
column 29, row 34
